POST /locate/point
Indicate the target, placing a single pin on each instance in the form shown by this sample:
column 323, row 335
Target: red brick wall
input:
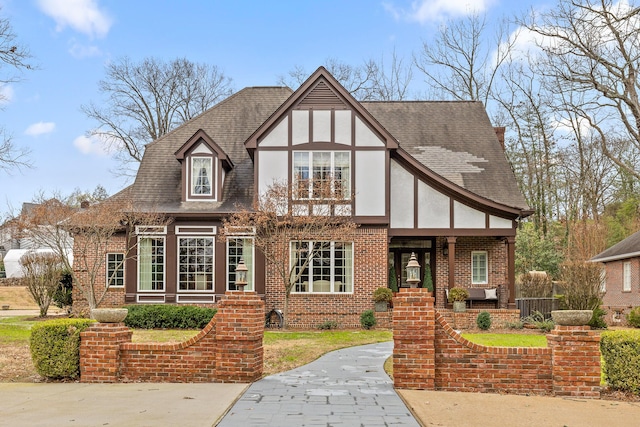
column 114, row 296
column 467, row 319
column 228, row 349
column 617, row 302
column 570, row 366
column 370, row 272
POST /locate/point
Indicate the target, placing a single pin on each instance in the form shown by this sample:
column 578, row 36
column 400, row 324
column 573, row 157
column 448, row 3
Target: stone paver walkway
column 343, row 388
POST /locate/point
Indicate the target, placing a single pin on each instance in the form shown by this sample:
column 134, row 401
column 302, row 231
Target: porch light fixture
column 445, row 249
column 413, row 271
column 241, row 275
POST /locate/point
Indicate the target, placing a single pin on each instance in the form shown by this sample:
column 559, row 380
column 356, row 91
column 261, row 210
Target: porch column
column 511, row 270
column 451, row 247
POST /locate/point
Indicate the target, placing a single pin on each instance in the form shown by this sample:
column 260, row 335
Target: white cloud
column 424, row 11
column 91, row 145
column 83, row 16
column 40, row 128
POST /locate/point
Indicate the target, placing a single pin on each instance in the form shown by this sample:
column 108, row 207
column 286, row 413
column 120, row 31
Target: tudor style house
column 429, row 178
column 622, row 278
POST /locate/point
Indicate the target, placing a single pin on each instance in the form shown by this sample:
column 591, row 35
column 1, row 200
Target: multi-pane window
column 479, row 267
column 626, row 276
column 201, row 176
column 322, row 266
column 195, row 263
column 317, row 172
column 115, row 269
column 151, row 263
column 239, row 248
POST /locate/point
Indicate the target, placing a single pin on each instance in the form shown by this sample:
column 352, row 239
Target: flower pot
column 571, row 317
column 459, row 306
column 109, row 315
column 381, row 306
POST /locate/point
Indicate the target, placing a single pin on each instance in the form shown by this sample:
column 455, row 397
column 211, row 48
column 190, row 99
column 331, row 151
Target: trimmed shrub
column 368, row 319
column 597, row 320
column 160, row 316
column 634, row 317
column 328, row 324
column 55, row 347
column 484, row 320
column 621, row 354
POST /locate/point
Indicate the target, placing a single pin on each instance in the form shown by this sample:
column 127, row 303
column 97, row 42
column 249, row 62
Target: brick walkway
column 346, row 387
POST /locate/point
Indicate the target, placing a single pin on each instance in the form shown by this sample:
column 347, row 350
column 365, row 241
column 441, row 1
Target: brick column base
column 239, row 332
column 100, row 352
column 413, row 339
column 576, row 361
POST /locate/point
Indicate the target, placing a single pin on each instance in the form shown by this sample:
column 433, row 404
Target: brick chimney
column 84, row 204
column 500, row 130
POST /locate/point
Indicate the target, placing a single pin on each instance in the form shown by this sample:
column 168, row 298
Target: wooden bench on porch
column 483, row 295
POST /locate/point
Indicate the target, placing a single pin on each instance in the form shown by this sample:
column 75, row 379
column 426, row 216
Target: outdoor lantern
column 241, row 275
column 413, row 271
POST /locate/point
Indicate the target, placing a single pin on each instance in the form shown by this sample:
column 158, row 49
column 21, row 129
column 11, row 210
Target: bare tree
column 146, row 100
column 275, row 224
column 592, row 47
column 461, row 63
column 391, row 84
column 94, row 231
column 16, row 57
column 42, row 273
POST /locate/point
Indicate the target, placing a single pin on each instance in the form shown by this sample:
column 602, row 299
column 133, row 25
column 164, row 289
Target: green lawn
column 508, row 340
column 15, row 330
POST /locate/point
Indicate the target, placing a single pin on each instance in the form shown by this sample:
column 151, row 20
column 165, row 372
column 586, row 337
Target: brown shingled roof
column 456, row 140
column 628, row 248
column 229, row 124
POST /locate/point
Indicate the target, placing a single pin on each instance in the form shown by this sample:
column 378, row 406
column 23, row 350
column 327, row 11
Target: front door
column 400, row 260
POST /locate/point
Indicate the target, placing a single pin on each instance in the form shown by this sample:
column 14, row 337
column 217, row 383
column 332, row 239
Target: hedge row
column 159, row 316
column 621, row 353
column 55, row 347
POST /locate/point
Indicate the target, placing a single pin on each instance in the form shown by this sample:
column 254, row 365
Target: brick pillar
column 239, row 333
column 576, row 361
column 413, row 339
column 100, row 352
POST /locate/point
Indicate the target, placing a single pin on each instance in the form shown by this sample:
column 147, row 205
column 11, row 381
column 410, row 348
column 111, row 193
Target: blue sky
column 253, row 42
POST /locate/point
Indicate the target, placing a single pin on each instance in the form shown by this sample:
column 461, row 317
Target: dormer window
column 201, row 176
column 204, row 166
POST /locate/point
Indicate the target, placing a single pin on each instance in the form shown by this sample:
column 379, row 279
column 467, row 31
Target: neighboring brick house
column 622, row 278
column 426, row 177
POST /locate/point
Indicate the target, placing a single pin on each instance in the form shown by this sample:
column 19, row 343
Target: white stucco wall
column 370, row 183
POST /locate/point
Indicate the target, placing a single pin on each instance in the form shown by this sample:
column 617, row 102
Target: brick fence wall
column 429, row 354
column 228, row 349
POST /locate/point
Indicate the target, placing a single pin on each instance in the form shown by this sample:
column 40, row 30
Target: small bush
column 62, row 297
column 634, row 317
column 328, row 324
column 55, row 347
column 597, row 320
column 518, row 324
column 621, row 354
column 484, row 320
column 537, row 319
column 368, row 319
column 458, row 294
column 159, row 316
column 382, row 295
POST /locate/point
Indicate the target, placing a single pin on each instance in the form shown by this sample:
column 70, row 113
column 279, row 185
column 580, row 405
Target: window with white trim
column 115, row 269
column 626, row 276
column 479, row 267
column 237, row 248
column 314, row 171
column 195, row 263
column 326, row 268
column 202, row 179
column 151, row 263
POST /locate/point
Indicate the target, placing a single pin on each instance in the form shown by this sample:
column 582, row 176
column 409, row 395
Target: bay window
column 237, row 248
column 195, row 263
